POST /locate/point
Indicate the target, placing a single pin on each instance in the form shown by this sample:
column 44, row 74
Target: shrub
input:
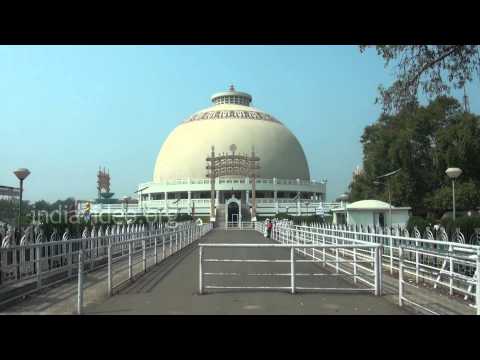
column 419, row 222
column 297, row 220
column 466, row 224
column 183, row 217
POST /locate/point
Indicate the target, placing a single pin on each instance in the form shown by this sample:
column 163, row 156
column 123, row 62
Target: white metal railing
column 153, row 247
column 264, row 205
column 243, row 225
column 232, row 180
column 403, row 274
column 26, row 269
column 360, row 268
column 441, row 264
column 432, row 260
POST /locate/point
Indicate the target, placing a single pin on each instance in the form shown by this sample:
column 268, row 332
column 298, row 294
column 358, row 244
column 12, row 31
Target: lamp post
column 125, row 202
column 389, row 199
column 21, row 174
column 389, row 192
column 453, row 173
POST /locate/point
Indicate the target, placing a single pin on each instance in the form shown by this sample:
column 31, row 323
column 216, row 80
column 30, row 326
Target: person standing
column 269, row 229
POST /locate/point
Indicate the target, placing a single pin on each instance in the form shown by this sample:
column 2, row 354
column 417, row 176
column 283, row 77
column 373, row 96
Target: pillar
column 166, row 204
column 275, row 200
column 190, row 199
column 298, row 203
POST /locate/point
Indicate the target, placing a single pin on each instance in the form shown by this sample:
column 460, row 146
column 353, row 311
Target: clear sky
column 66, row 110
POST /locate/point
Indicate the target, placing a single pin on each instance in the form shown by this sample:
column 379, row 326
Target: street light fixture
column 389, row 191
column 453, row 173
column 21, row 175
column 125, row 202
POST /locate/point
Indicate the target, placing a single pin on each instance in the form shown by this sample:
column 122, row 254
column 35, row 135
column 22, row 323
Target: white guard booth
column 371, row 212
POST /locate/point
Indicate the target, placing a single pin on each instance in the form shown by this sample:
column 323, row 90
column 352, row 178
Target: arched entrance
column 233, row 216
column 233, row 212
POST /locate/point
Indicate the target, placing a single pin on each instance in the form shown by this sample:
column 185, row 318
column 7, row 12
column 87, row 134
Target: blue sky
column 66, row 110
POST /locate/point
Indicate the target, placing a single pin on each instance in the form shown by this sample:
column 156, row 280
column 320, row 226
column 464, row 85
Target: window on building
column 158, row 196
column 201, row 195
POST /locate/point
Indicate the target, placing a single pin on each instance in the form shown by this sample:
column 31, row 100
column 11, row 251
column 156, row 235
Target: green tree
column 423, row 141
column 467, row 196
column 9, row 212
column 432, row 68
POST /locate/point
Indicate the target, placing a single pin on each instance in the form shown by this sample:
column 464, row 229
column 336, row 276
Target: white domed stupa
column 231, row 120
column 180, row 183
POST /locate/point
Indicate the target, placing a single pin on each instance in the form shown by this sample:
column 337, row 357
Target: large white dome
column 231, row 121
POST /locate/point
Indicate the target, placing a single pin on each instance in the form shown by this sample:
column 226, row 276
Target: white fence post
column 391, row 253
column 130, row 272
column 400, row 276
column 163, row 246
column 354, row 265
column 417, row 264
column 80, row 283
column 375, row 268
column 380, row 270
column 109, row 255
column 450, row 250
column 477, row 297
column 69, row 259
column 144, row 256
column 200, row 272
column 336, row 255
column 156, row 250
column 323, row 249
column 292, row 268
column 39, row 266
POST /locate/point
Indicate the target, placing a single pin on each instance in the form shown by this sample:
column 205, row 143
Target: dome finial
column 232, row 88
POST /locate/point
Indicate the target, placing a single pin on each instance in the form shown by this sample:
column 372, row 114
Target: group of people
column 269, row 225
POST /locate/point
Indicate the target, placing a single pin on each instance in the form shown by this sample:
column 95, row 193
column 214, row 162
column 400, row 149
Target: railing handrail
column 59, row 257
column 344, row 246
column 387, row 236
column 138, row 234
column 428, row 260
column 447, row 253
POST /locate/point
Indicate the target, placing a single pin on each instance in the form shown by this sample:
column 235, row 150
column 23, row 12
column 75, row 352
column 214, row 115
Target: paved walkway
column 171, row 288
